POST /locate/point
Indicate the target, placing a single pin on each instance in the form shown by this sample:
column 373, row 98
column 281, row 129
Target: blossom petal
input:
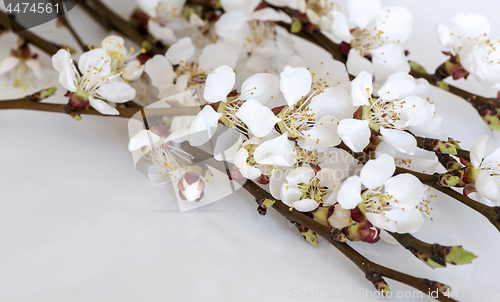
column 116, row 92
column 357, row 63
column 60, row 59
column 322, row 134
column 240, row 160
column 418, row 110
column 247, row 6
column 340, row 28
column 8, row 64
column 227, row 145
column 306, row 205
column 35, row 67
column 160, row 70
column 300, row 175
column 487, row 187
column 276, row 181
column 398, row 86
column 141, row 139
column 163, row 33
column 340, row 217
column 330, row 73
column 408, row 221
column 430, row 129
column 259, row 119
column 269, row 14
column 102, row 106
column 261, row 87
column 379, row 221
column 388, row 60
column 406, row 190
column 133, row 71
column 477, row 151
column 181, row 51
column 349, row 195
column 95, row 62
column 289, row 194
column 469, row 27
column 334, row 101
column 295, row 83
column 276, row 152
column 376, row 172
column 204, row 126
column 361, row 12
column 216, row 55
column 354, row 133
column 400, row 140
column 67, row 78
column 219, row 84
column 396, row 24
column 362, row 89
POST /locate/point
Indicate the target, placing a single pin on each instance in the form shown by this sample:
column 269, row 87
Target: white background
column 79, row 223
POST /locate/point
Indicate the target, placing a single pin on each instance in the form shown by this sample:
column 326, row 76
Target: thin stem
column 126, row 28
column 432, row 251
column 27, row 103
column 46, row 46
column 62, row 18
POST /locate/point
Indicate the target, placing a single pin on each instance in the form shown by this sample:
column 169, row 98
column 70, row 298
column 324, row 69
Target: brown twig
column 46, row 46
column 62, row 18
column 126, row 28
column 27, row 103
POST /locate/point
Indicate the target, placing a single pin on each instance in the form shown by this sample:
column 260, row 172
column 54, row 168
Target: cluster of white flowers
column 287, row 124
column 472, row 50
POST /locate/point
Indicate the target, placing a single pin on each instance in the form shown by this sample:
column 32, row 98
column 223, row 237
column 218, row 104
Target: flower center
column 197, row 77
column 322, row 8
column 377, row 202
column 305, row 157
column 266, row 169
column 229, row 115
column 169, row 158
column 299, row 118
column 260, row 31
column 313, row 190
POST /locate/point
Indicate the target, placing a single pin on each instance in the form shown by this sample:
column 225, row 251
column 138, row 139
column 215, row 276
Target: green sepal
column 443, row 85
column 493, row 122
column 296, row 26
column 458, row 256
column 47, row 92
column 311, row 237
column 447, row 147
column 320, row 215
column 267, row 203
column 417, row 67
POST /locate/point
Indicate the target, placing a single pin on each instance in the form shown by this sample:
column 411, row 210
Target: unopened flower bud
column 457, row 255
column 191, row 187
column 363, row 231
column 379, row 283
column 448, row 180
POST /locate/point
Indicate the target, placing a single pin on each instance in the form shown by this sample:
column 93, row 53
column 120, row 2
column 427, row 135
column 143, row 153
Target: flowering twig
column 28, row 103
column 373, row 271
column 46, row 46
column 491, row 213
